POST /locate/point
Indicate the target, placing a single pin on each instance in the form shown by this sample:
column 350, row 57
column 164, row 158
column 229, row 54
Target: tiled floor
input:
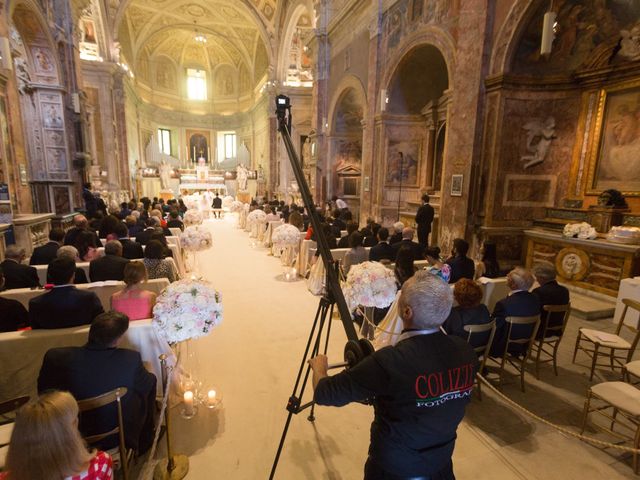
column 254, row 356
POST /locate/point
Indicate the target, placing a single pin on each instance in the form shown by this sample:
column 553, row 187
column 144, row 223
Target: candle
column 211, row 395
column 194, row 154
column 208, row 154
column 188, row 402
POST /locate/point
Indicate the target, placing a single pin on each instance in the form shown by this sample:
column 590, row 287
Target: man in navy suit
column 44, row 254
column 424, row 219
column 99, row 367
column 407, row 241
column 64, row 305
column 382, row 251
column 16, row 274
column 550, row 292
column 109, row 267
column 461, row 265
column 519, row 303
column 13, row 315
column 130, row 249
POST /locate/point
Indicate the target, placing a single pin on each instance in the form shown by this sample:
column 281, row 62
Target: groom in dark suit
column 99, row 367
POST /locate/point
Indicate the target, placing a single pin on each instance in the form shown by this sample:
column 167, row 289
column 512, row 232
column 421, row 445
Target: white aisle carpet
column 253, row 357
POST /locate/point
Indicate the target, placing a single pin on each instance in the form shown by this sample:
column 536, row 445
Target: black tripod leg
column 282, row 439
column 312, row 416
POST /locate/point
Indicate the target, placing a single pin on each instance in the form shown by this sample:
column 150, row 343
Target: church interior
column 520, row 119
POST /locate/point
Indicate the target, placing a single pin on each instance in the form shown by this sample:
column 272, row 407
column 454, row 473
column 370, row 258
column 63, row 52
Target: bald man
column 407, row 241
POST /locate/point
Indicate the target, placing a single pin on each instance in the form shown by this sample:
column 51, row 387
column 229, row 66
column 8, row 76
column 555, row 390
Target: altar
column 598, row 265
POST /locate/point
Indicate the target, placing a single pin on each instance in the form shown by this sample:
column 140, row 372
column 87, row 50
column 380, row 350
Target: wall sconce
column 384, row 100
column 548, row 33
column 5, row 54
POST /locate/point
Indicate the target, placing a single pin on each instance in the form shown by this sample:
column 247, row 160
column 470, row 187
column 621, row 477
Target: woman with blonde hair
column 133, row 301
column 46, row 444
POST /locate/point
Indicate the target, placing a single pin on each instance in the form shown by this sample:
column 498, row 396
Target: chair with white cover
column 552, row 331
column 480, row 338
column 610, row 343
column 100, row 401
column 624, row 401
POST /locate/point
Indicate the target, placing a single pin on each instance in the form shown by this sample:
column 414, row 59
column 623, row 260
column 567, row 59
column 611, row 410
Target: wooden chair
column 622, row 399
column 101, row 401
column 612, row 343
column 629, row 370
column 525, row 342
column 12, row 405
column 480, row 338
column 551, row 335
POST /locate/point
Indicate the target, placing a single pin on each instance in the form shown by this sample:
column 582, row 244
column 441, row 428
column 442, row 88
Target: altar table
column 21, row 353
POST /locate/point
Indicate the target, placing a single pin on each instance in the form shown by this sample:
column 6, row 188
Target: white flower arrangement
column 580, row 230
column 187, row 309
column 195, row 239
column 227, row 201
column 370, row 284
column 192, row 217
column 256, row 217
column 285, row 236
column 190, row 201
column 236, row 206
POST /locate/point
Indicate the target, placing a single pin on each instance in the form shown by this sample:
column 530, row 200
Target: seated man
column 174, row 220
column 109, row 267
column 80, row 224
column 550, row 292
column 343, row 242
column 130, row 249
column 407, row 241
column 519, row 303
column 382, row 251
column 217, row 204
column 419, row 388
column 71, row 252
column 99, row 367
column 64, row 305
column 44, row 254
column 144, row 236
column 13, row 315
column 16, row 274
column 396, row 236
column 461, row 265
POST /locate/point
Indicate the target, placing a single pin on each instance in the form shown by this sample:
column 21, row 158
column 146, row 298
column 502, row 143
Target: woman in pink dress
column 133, row 301
column 46, row 444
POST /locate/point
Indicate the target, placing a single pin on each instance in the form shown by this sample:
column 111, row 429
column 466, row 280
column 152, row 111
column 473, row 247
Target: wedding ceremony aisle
column 252, row 359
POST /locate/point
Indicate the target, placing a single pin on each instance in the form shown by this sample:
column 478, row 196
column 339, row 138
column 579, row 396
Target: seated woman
column 357, row 254
column 404, row 268
column 46, row 443
column 436, row 265
column 133, row 301
column 159, row 236
column 158, row 266
column 87, row 251
column 331, row 240
column 70, row 252
column 488, row 265
column 469, row 310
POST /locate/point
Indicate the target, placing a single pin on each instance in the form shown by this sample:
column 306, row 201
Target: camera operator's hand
column 319, row 365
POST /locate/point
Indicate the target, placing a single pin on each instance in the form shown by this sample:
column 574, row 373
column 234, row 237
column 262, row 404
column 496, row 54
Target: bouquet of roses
column 370, row 284
column 580, row 230
column 227, row 201
column 285, row 236
column 257, row 217
column 192, row 217
column 187, row 309
column 195, row 239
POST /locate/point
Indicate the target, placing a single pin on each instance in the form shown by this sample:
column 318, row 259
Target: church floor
column 252, row 358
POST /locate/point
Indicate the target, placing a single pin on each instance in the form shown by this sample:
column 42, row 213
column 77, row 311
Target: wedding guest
column 436, row 265
column 95, row 221
column 271, row 215
column 133, row 300
column 44, row 254
column 382, row 251
column 16, row 274
column 157, row 265
column 131, row 222
column 63, row 305
column 519, row 303
column 108, row 226
column 424, row 219
column 13, row 315
column 80, row 224
column 331, row 241
column 469, row 310
column 337, row 224
column 295, row 218
column 550, row 292
column 407, row 241
column 357, row 254
column 46, row 444
column 461, row 265
column 413, row 433
column 174, row 220
column 145, row 236
column 87, row 249
column 99, row 367
column 396, row 237
column 160, row 237
column 71, row 252
column 110, row 266
column 157, row 213
column 404, row 268
column 371, row 236
column 488, row 265
column 130, row 248
column 343, row 242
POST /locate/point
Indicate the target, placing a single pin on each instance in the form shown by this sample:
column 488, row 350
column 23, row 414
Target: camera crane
column 356, row 348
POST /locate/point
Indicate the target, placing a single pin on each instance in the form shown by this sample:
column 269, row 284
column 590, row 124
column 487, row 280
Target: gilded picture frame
column 614, row 148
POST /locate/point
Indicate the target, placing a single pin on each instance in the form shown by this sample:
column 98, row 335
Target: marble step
column 589, row 307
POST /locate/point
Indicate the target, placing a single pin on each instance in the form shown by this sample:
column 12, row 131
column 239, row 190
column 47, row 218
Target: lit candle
column 211, row 395
column 208, row 154
column 188, row 402
column 287, row 276
column 294, row 272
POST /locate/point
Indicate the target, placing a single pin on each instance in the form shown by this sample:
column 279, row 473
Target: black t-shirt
column 420, row 388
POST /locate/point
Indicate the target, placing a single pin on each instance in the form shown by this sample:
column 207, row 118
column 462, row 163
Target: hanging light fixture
column 199, row 37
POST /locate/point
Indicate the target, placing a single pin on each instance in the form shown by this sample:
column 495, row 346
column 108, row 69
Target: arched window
column 196, row 84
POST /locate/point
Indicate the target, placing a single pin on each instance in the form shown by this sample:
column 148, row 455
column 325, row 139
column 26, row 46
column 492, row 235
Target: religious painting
column 42, row 60
column 165, row 74
column 88, row 31
column 522, row 190
column 615, row 152
column 53, row 138
column 348, row 154
column 61, row 199
column 403, row 160
column 457, row 182
column 56, row 159
column 199, row 145
column 52, row 115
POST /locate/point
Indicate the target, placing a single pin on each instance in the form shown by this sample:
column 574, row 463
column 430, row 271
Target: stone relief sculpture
column 630, row 43
column 165, row 175
column 540, row 134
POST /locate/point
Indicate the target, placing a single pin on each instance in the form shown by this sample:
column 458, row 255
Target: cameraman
column 419, row 388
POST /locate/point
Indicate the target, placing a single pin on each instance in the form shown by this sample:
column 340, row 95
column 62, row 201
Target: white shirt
column 341, row 204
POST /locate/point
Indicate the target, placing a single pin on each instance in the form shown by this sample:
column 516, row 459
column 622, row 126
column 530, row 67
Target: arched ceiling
column 235, row 33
